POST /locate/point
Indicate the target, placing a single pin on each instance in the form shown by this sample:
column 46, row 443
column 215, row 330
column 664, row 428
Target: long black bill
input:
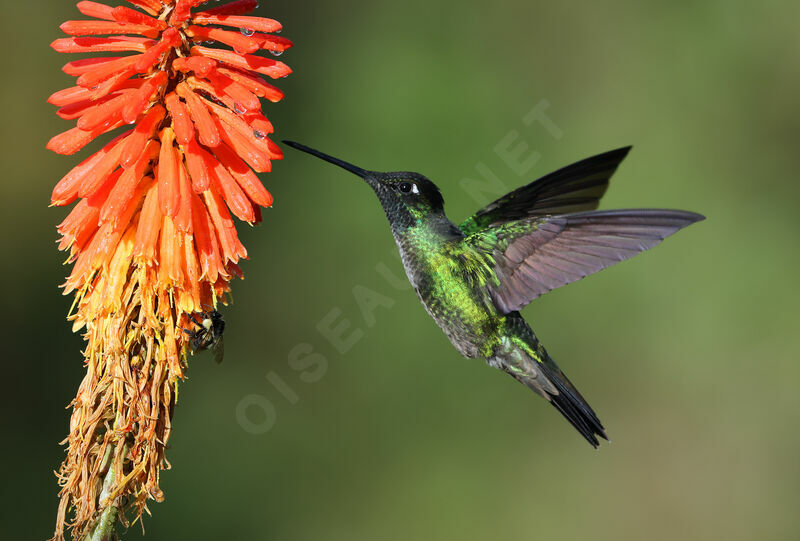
column 363, row 173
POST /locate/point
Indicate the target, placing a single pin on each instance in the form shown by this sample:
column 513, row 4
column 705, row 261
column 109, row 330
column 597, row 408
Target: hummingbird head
column 406, row 197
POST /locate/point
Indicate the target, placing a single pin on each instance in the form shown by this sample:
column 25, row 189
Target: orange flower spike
column 147, row 249
column 169, row 194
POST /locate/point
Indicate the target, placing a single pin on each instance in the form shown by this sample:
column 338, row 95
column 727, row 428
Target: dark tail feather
column 574, row 408
column 529, row 363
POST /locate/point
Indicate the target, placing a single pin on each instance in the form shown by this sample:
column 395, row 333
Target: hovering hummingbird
column 473, row 278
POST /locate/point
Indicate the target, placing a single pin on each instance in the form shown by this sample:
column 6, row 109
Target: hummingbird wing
column 574, row 188
column 530, row 257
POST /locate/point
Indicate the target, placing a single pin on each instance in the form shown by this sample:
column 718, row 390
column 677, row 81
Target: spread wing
column 533, row 256
column 574, row 188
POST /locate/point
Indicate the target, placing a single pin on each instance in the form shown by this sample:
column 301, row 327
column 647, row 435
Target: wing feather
column 531, row 257
column 574, row 188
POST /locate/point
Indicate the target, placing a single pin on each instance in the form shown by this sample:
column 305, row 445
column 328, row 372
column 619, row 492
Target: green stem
column 104, row 529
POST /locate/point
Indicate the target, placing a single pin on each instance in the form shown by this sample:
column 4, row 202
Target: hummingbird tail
column 529, row 363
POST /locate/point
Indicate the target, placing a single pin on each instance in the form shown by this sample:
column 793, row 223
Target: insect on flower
column 208, row 334
column 176, row 93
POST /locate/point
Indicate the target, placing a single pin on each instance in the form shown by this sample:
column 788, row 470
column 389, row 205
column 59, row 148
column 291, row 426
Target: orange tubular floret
column 240, row 126
column 127, row 15
column 232, row 249
column 138, row 103
column 68, row 96
column 105, row 71
column 265, row 66
column 242, row 98
column 96, row 10
column 122, row 193
column 253, row 83
column 170, row 254
column 239, row 42
column 259, row 24
column 104, row 167
column 143, row 131
column 244, row 176
column 66, row 190
column 196, row 160
column 183, row 220
column 181, row 12
column 272, row 43
column 153, row 7
column 206, row 129
column 235, row 198
column 181, row 123
column 149, row 227
column 71, row 141
column 77, row 68
column 91, row 28
column 105, row 114
column 110, row 44
column 121, row 80
column 261, row 126
column 238, row 7
column 207, row 248
column 170, row 38
column 198, row 64
column 169, row 195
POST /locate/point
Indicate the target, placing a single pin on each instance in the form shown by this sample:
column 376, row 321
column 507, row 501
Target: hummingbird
column 473, row 278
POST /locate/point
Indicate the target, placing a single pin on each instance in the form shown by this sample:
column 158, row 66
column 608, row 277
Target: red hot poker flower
column 152, row 235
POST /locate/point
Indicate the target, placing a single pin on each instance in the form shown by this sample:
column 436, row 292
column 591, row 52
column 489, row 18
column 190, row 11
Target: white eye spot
column 408, row 187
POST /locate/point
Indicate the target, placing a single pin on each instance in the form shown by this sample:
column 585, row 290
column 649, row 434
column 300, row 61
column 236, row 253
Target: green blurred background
column 688, row 353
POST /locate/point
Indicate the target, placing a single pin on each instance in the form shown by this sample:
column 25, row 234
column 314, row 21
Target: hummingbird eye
column 408, row 187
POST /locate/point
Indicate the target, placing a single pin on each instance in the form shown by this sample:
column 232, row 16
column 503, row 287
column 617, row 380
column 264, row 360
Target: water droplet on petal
column 276, row 53
column 247, row 31
column 259, row 134
column 238, row 109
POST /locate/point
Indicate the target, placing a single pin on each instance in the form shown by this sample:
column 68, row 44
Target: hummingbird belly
column 462, row 309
